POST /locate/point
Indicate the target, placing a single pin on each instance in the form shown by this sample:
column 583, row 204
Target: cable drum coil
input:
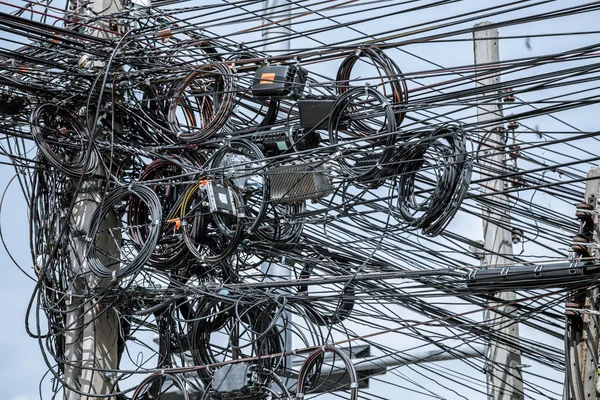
column 63, row 140
column 202, row 103
column 362, row 152
column 435, row 163
column 113, row 266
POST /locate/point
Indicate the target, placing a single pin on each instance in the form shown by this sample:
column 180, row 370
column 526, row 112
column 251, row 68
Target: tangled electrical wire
column 225, row 212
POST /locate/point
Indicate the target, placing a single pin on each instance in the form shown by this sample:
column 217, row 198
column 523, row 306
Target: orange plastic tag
column 267, row 78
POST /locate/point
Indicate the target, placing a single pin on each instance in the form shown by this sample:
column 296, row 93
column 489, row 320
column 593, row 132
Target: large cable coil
column 433, row 173
column 389, row 74
column 110, row 253
column 364, row 148
column 64, row 140
column 202, row 103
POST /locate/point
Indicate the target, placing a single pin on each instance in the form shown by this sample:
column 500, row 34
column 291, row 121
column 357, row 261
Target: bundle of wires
column 103, row 239
column 438, row 159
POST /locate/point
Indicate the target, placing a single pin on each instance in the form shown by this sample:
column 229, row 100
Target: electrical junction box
column 316, row 111
column 279, row 82
column 297, row 181
column 236, row 382
column 220, row 198
column 277, row 141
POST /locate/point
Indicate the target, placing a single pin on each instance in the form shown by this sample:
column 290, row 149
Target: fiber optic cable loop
column 314, row 363
column 433, row 173
column 390, row 76
column 244, row 164
column 362, row 155
column 202, row 103
column 212, row 219
column 236, row 327
column 166, row 180
column 110, row 253
column 62, row 138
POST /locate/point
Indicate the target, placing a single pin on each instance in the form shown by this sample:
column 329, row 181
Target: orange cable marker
column 267, row 78
column 177, row 222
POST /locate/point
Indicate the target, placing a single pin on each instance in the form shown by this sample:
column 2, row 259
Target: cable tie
column 353, row 385
column 114, row 275
column 299, row 395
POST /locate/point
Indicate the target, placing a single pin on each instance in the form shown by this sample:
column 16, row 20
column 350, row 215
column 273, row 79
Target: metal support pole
column 503, row 370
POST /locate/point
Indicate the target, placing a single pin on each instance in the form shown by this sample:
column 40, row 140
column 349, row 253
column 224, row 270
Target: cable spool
column 362, row 154
column 244, row 164
column 64, row 140
column 389, row 75
column 439, row 160
column 106, row 257
column 212, row 218
column 171, row 251
column 201, row 103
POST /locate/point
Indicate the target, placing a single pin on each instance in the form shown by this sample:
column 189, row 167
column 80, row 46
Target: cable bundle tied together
column 202, row 103
column 64, row 140
column 311, row 372
column 365, row 147
column 437, row 160
column 104, row 239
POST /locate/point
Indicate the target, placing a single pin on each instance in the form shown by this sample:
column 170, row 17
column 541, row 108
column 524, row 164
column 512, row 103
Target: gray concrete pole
column 91, row 330
column 504, row 374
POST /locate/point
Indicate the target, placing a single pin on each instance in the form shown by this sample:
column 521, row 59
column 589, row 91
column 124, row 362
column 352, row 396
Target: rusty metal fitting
column 509, row 98
column 513, row 125
column 578, row 245
column 572, row 313
column 165, row 34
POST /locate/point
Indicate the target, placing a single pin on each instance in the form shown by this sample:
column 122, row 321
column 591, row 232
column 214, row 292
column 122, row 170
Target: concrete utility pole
column 273, row 12
column 505, row 380
column 91, row 329
column 583, row 326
